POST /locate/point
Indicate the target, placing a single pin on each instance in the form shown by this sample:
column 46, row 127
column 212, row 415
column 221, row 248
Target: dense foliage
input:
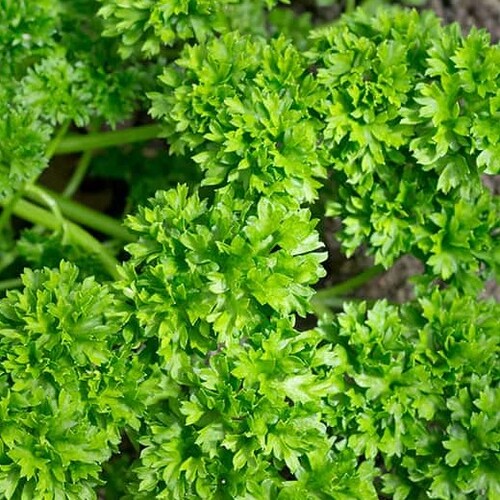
column 67, row 384
column 177, row 355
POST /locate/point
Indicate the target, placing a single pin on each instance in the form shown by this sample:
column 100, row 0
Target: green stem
column 7, row 258
column 324, row 308
column 54, row 143
column 350, row 5
column 349, row 285
column 33, row 213
column 332, row 302
column 51, row 148
column 321, row 310
column 90, row 218
column 334, row 296
column 79, row 174
column 12, row 283
column 7, row 210
column 38, row 194
column 77, row 143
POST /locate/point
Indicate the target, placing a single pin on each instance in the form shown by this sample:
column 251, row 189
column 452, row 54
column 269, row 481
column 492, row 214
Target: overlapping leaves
column 409, row 128
column 200, row 329
column 244, row 108
column 23, row 142
column 249, row 426
column 67, row 385
column 149, row 26
column 56, row 69
column 421, row 391
column 201, row 271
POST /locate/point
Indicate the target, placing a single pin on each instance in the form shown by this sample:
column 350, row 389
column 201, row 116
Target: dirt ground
column 480, row 13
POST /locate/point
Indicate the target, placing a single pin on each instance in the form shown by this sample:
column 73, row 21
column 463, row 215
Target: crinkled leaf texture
column 244, row 109
column 411, row 119
column 67, row 385
column 56, row 69
column 148, row 25
column 23, row 141
column 195, row 348
column 253, row 408
column 399, row 112
column 421, row 393
column 222, row 268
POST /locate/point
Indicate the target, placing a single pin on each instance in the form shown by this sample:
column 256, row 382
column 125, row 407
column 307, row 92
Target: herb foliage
column 167, row 357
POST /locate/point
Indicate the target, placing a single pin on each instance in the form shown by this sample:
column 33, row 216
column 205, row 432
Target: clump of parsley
column 168, row 347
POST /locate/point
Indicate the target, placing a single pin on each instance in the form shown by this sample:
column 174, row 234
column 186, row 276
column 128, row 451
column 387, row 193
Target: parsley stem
column 7, row 258
column 51, row 148
column 350, row 6
column 7, row 210
column 12, row 283
column 88, row 217
column 323, row 296
column 54, row 143
column 78, row 175
column 38, row 194
column 334, row 297
column 33, row 213
column 324, row 308
column 76, row 143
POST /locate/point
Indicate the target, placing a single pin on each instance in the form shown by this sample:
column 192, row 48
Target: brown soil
column 480, row 13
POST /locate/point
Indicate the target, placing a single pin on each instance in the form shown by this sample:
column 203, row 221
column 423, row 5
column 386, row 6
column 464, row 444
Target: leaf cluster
column 421, row 393
column 67, row 385
column 406, row 127
column 245, row 108
column 57, row 69
column 150, row 26
column 183, row 333
column 395, row 108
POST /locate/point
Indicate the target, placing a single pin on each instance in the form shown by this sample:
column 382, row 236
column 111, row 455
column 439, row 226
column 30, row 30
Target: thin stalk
column 9, row 284
column 7, row 259
column 77, row 143
column 90, row 218
column 7, row 210
column 54, row 143
column 349, row 285
column 333, row 302
column 33, row 213
column 81, row 168
column 51, row 148
column 324, row 309
column 350, row 6
column 78, row 175
column 38, row 194
column 321, row 310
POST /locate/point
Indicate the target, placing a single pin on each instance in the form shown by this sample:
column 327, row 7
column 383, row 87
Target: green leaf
column 459, row 447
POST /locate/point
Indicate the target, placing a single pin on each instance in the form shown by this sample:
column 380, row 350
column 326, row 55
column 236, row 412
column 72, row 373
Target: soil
column 480, row 13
